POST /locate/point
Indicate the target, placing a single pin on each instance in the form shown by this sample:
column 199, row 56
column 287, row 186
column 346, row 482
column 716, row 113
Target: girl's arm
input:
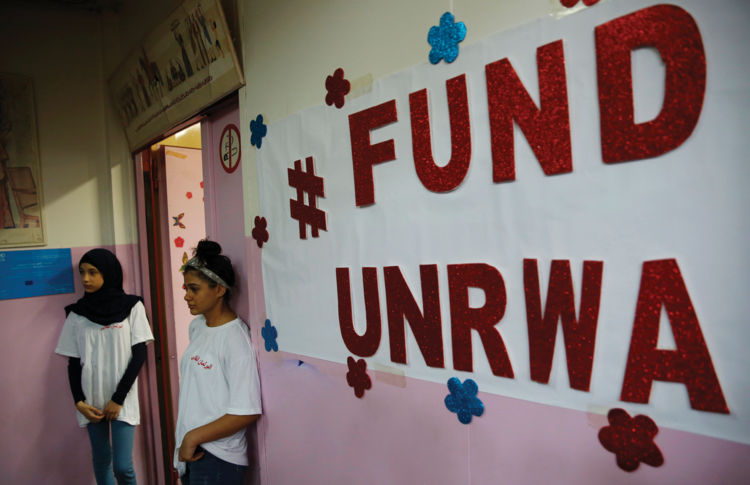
column 131, row 372
column 113, row 407
column 225, row 426
column 74, row 378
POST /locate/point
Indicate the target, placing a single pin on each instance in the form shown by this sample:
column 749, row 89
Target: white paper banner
column 689, row 204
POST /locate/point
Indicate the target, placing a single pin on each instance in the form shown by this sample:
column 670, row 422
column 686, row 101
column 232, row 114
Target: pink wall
column 318, row 432
column 42, row 442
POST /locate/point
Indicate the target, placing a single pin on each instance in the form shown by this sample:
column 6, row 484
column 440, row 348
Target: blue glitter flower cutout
column 445, row 38
column 269, row 334
column 258, row 130
column 463, row 399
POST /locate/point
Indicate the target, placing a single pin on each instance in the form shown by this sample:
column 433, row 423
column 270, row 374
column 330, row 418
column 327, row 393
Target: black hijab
column 109, row 304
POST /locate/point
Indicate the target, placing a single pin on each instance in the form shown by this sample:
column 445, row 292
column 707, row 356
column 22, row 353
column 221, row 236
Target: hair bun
column 207, row 248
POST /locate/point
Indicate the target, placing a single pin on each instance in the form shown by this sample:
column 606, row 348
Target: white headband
column 197, row 264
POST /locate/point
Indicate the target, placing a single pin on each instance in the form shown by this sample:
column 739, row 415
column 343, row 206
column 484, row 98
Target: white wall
column 61, row 52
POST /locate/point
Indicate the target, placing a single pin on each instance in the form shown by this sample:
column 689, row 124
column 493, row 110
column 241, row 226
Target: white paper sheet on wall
column 688, row 204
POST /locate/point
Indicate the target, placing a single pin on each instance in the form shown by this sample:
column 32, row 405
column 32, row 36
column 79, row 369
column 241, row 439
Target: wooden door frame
column 162, row 408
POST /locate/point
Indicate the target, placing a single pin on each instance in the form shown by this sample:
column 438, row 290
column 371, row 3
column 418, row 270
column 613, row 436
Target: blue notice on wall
column 35, row 272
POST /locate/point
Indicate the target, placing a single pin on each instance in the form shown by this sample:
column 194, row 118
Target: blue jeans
column 119, row 453
column 211, row 470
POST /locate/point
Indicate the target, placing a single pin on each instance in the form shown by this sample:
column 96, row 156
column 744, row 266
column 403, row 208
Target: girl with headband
column 219, row 384
column 104, row 337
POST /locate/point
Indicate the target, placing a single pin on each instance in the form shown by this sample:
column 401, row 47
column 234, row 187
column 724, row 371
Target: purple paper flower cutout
column 572, row 3
column 631, row 440
column 260, row 233
column 337, row 88
column 357, row 376
column 444, row 39
column 463, row 399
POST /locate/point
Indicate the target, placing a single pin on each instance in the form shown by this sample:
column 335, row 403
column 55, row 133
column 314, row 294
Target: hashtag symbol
column 313, row 185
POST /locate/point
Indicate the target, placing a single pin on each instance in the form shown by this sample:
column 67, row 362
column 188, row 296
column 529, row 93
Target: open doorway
column 181, row 157
column 191, row 188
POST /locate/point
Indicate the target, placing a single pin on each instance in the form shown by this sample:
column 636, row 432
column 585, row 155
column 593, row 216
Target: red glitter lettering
column 547, row 129
column 314, row 186
column 483, row 320
column 427, row 328
column 433, row 177
column 690, row 364
column 365, row 155
column 675, row 34
column 579, row 334
column 362, row 345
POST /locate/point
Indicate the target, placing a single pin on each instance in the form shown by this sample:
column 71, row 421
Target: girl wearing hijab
column 219, row 384
column 104, row 337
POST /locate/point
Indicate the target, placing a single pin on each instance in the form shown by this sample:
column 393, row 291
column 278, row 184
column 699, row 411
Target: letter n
column 546, row 128
column 427, row 328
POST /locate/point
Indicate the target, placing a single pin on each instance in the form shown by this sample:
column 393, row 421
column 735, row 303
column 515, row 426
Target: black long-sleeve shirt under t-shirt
column 131, row 372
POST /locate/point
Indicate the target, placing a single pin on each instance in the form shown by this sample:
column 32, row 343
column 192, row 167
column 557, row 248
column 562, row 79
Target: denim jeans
column 119, row 453
column 211, row 470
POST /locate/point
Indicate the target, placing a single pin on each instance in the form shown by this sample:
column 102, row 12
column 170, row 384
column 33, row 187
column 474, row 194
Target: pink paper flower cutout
column 189, row 195
column 260, row 234
column 179, row 242
column 357, row 376
column 337, row 87
column 631, row 440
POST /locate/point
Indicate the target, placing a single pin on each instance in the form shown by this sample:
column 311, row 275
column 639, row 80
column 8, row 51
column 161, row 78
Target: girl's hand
column 112, row 410
column 187, row 450
column 89, row 412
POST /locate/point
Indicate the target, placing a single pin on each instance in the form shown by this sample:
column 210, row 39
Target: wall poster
column 20, row 172
column 182, row 66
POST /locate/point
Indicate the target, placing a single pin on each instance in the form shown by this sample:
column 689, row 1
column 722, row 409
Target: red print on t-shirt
column 201, row 363
column 111, row 326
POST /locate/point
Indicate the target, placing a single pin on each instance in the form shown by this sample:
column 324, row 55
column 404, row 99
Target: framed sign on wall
column 21, row 205
column 185, row 64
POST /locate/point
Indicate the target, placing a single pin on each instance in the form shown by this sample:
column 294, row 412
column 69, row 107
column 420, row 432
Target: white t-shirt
column 219, row 375
column 105, row 353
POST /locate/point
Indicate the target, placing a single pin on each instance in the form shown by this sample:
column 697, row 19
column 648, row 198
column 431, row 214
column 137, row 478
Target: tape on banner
column 389, row 375
column 360, row 87
column 597, row 415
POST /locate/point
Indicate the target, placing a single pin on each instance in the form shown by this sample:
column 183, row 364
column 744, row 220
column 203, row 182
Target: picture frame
column 182, row 66
column 21, row 194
